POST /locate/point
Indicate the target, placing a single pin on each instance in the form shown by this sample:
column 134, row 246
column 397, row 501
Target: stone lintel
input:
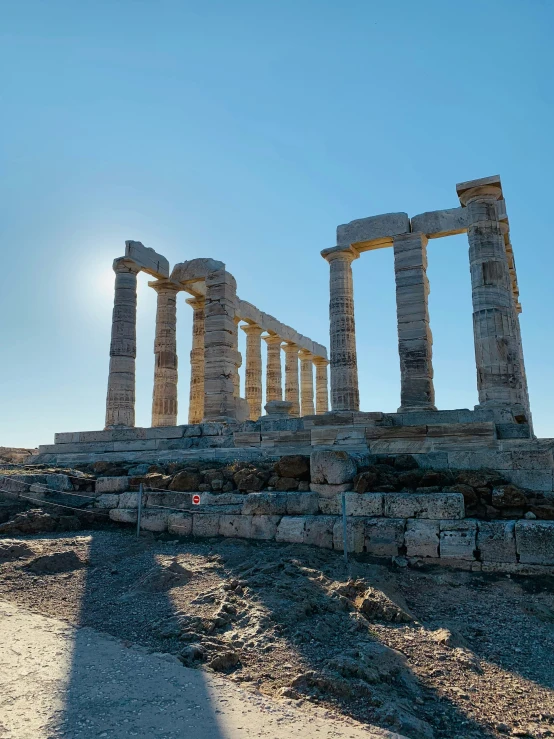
column 494, row 180
column 438, row 223
column 374, row 232
column 148, row 260
column 195, row 270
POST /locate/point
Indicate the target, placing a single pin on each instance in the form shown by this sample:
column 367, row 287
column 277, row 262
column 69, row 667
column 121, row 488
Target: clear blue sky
column 246, row 131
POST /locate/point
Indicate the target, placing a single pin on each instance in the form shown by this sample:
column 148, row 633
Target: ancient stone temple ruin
column 471, row 485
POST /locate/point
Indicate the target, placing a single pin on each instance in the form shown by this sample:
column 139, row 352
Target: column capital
column 290, row 348
column 251, row 329
column 321, row 361
column 487, row 189
column 347, row 254
column 165, row 286
column 197, row 303
column 272, row 339
column 124, row 264
column 304, row 354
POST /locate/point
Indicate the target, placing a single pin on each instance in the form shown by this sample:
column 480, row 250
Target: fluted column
column 306, row 383
column 415, row 341
column 498, row 356
column 164, row 396
column 273, row 381
column 236, row 376
column 253, row 374
column 196, row 396
column 120, row 400
column 321, row 385
column 345, row 394
column 292, row 393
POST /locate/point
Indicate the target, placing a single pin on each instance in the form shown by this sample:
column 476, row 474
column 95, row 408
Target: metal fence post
column 139, row 511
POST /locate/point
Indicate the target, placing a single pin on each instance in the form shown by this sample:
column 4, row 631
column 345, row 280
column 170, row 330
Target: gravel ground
column 425, row 652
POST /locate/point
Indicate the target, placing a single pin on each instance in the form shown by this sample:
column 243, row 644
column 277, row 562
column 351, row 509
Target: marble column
column 120, row 400
column 196, row 396
column 321, row 385
column 253, row 374
column 273, row 379
column 498, row 356
column 306, row 383
column 345, row 394
column 292, row 390
column 415, row 341
column 236, row 376
column 164, row 396
column 220, row 342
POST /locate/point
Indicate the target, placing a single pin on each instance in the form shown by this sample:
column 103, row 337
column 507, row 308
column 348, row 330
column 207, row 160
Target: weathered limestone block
column 291, row 529
column 112, row 485
column 458, row 539
column 235, row 526
column 124, row 515
column 355, row 535
column 268, row 504
column 128, row 500
column 438, row 223
column 179, row 524
column 330, row 491
column 329, row 505
column 332, row 467
column 318, row 531
column 148, row 260
column 366, row 504
column 535, row 542
column 154, row 520
column 61, row 483
column 278, row 409
column 171, row 500
column 306, row 383
column 195, row 270
column 107, row 501
column 274, row 382
column 164, row 396
column 384, row 537
column 205, row 524
column 422, row 538
column 264, row 527
column 302, row 504
column 496, row 541
column 373, row 232
column 345, row 393
column 431, row 506
column 415, row 342
column 292, row 389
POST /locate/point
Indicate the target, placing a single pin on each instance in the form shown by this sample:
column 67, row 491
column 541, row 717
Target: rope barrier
column 59, row 505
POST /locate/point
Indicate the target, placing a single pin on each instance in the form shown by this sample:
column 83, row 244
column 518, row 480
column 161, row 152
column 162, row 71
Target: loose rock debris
column 426, row 652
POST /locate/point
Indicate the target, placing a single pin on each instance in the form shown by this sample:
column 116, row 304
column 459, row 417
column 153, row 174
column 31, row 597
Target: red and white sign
column 195, row 500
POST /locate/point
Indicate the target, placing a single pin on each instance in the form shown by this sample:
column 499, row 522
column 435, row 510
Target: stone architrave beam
column 120, row 400
column 438, row 223
column 374, row 232
column 415, row 342
column 164, row 397
column 148, row 260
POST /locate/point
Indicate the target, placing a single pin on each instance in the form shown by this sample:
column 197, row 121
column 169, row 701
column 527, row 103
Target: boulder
column 293, row 465
column 250, row 481
column 51, row 564
column 286, row 483
column 185, row 482
column 365, row 482
column 508, row 496
column 30, row 522
column 12, row 549
column 332, row 467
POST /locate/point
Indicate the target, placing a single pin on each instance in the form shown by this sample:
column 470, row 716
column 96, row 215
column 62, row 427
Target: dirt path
column 117, row 691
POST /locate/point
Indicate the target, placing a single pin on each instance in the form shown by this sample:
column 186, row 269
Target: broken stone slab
column 496, row 541
column 458, row 539
column 179, row 524
column 147, row 259
column 112, row 485
column 422, row 538
column 438, row 223
column 332, row 467
column 365, row 504
column 384, row 537
column 278, row 408
column 429, row 506
column 374, row 232
column 291, row 529
column 318, row 531
column 535, row 542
